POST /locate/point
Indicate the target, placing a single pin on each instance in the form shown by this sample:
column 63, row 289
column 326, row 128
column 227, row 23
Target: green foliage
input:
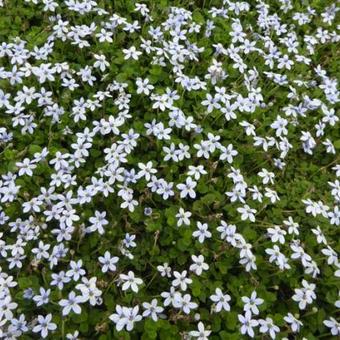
column 160, row 240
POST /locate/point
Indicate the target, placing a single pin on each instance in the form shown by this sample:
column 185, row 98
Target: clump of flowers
column 169, row 171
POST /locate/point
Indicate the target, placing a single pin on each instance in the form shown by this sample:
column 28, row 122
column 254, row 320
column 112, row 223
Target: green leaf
column 337, row 144
column 232, row 320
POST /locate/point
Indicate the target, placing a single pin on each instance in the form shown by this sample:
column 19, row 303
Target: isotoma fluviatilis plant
column 169, row 169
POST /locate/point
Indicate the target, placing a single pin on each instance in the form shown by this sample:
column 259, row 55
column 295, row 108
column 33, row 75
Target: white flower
column 131, row 53
column 59, row 279
column 250, row 304
column 181, row 280
column 104, row 36
column 26, row 167
column 198, row 266
column 129, row 241
column 203, row 149
column 247, row 324
column 228, row 153
column 320, row 237
column 256, row 194
column 293, row 227
column 146, row 170
column 108, row 262
column 74, row 336
column 43, row 298
column 333, row 325
column 118, row 318
column 201, row 333
column 76, row 270
column 304, row 295
column 186, row 305
column 71, row 303
column 247, row 213
column 152, row 309
column 170, row 153
column 211, row 103
column 165, row 270
column 183, row 217
column 125, row 317
column 228, row 232
column 143, row 86
column 187, row 188
column 279, row 125
column 98, row 222
column 202, row 232
column 285, row 62
column 295, row 324
column 44, row 325
column 6, row 306
column 332, row 256
column 41, row 251
column 171, row 297
column 272, row 195
column 334, row 216
column 196, row 171
column 131, row 281
column 132, row 316
column 277, row 257
column 129, row 203
column 277, row 234
column 32, row 205
column 221, row 300
column 267, row 177
column 267, row 326
column 89, row 290
column 101, row 62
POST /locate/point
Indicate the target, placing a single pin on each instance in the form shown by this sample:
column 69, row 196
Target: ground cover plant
column 169, row 169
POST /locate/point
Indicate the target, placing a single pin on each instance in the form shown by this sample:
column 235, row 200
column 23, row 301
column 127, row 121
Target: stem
column 62, row 319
